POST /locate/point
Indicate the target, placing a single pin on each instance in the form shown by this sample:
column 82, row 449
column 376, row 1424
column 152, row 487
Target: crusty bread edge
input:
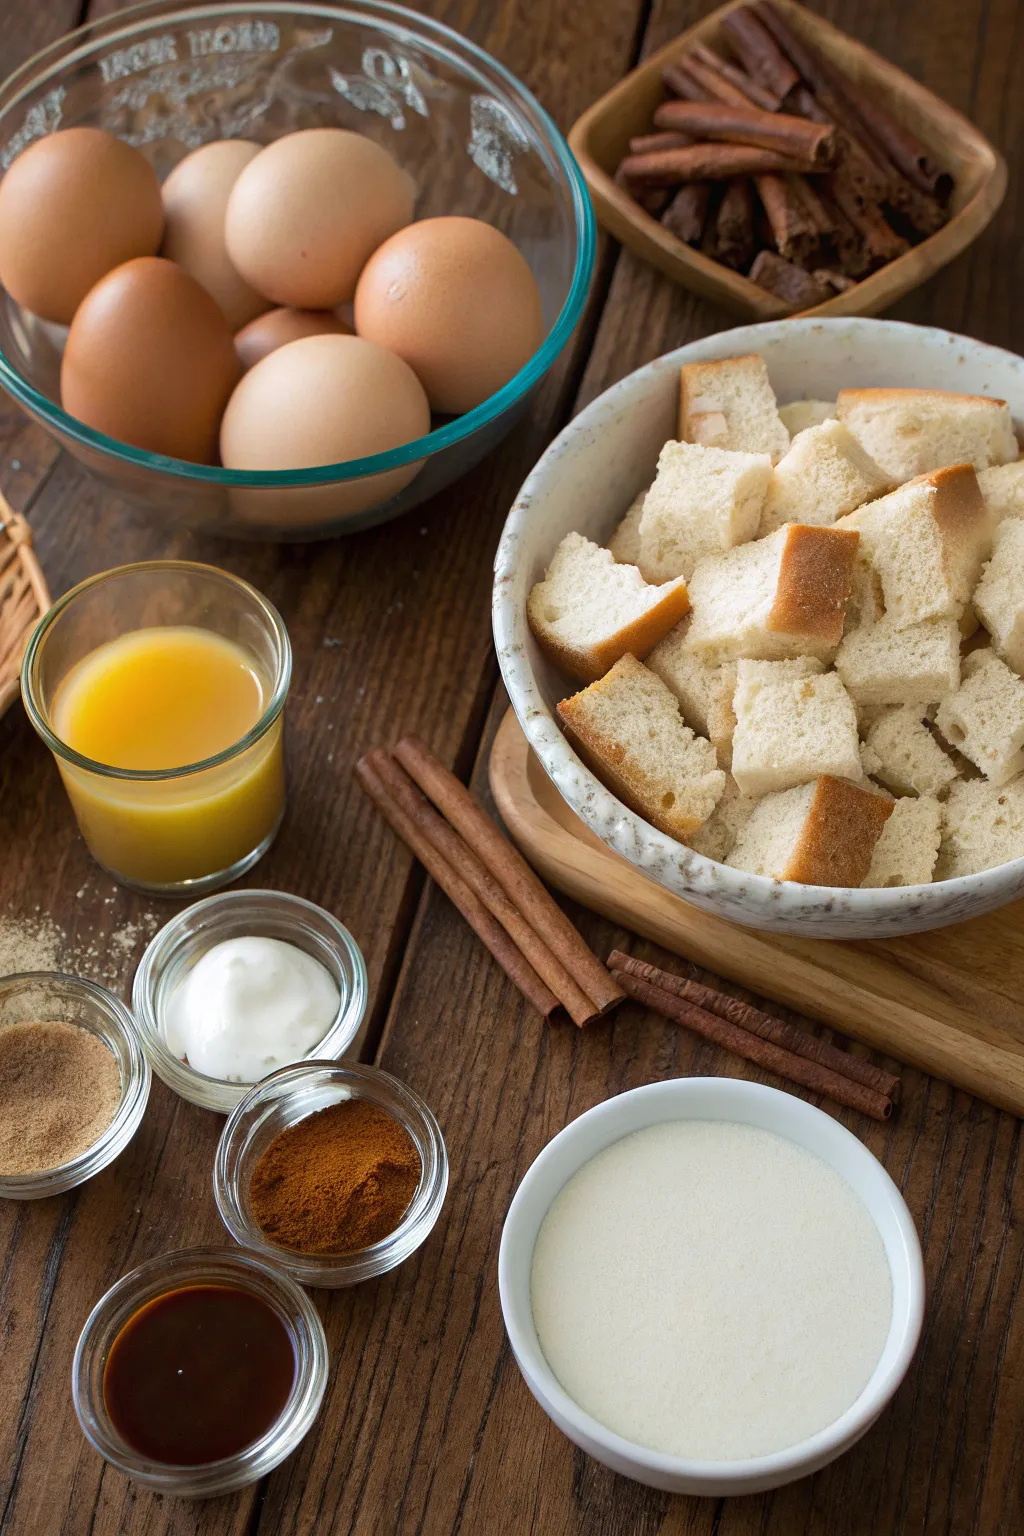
column 844, row 822
column 639, row 637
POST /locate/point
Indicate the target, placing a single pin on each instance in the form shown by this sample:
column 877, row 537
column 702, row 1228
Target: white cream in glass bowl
column 584, row 483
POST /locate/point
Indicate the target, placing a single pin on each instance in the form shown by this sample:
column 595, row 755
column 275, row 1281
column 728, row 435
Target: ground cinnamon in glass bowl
column 338, row 1181
column 333, row 1171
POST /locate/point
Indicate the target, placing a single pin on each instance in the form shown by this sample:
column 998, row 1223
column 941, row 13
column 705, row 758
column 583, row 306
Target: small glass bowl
column 288, row 1096
column 232, row 915
column 171, row 1271
column 51, row 995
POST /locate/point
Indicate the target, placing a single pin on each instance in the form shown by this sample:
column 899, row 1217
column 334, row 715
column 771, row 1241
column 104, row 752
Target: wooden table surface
column 427, row 1425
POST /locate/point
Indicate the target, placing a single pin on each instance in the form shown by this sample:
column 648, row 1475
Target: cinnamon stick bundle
column 510, row 869
column 704, row 162
column 752, row 1047
column 747, row 124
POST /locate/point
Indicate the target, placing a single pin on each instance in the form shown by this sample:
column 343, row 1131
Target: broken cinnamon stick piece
column 786, row 281
column 790, row 1036
column 813, row 143
column 785, row 1064
column 758, row 52
column 710, row 82
column 682, row 84
column 881, row 242
column 653, row 200
column 684, row 217
column 759, row 95
column 510, row 869
column 705, row 162
column 493, row 935
column 733, row 242
column 799, row 223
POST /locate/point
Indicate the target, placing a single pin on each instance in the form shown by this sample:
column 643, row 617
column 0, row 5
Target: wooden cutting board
column 949, row 1001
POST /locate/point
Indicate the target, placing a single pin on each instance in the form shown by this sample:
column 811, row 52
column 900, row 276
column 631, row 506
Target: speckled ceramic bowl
column 586, row 480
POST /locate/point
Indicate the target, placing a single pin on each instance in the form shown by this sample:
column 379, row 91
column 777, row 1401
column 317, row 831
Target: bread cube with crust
column 627, row 726
column 927, row 542
column 783, row 596
column 823, row 833
column 731, row 404
column 911, row 432
column 589, row 611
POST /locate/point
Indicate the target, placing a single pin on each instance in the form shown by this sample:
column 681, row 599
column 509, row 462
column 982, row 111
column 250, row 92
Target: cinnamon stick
column 881, row 242
column 709, row 82
column 705, row 162
column 680, row 83
column 733, row 240
column 763, row 1053
column 752, row 91
column 512, row 961
column 787, row 281
column 905, row 150
column 510, row 869
column 644, row 143
column 758, row 52
column 813, row 143
column 451, row 847
column 653, row 200
column 684, row 217
column 800, row 1041
column 799, row 222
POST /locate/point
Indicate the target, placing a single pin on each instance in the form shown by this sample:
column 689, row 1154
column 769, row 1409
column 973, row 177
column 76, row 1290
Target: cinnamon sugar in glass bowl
column 46, row 996
column 288, row 1096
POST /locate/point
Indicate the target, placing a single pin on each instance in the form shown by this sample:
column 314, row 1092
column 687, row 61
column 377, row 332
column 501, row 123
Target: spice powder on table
column 337, row 1181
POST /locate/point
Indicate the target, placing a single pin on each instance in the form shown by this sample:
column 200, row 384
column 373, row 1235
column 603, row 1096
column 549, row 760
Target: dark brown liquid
column 198, row 1374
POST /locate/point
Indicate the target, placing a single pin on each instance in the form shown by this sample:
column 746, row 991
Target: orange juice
column 156, row 700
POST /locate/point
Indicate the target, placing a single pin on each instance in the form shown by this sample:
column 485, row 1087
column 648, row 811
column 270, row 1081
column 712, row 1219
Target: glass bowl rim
column 447, row 42
column 335, row 1269
column 179, row 1075
column 131, row 1107
column 157, row 775
column 305, row 1329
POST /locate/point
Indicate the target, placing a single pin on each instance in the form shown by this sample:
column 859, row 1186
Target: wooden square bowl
column 600, row 138
column 24, row 598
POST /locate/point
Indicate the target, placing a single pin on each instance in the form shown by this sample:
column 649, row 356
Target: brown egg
column 268, row 332
column 456, row 299
column 305, row 215
column 195, row 197
column 324, row 400
column 150, row 360
column 72, row 207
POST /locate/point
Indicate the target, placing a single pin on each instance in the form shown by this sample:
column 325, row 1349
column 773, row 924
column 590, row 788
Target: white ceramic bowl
column 711, row 1098
column 586, row 480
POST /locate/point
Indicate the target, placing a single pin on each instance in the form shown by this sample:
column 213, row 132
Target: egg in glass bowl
column 454, row 139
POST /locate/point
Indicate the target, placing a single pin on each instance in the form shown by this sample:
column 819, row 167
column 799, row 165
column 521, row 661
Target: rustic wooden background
column 427, row 1426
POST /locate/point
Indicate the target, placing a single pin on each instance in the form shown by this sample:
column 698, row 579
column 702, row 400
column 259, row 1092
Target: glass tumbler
column 188, row 829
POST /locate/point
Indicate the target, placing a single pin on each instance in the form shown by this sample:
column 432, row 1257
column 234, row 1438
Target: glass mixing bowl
column 168, row 78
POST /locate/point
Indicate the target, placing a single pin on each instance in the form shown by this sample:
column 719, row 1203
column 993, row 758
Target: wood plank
column 446, row 1438
column 387, row 626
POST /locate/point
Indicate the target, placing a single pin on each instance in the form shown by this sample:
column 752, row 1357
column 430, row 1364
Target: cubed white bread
column 717, row 837
column 588, row 611
column 1002, row 487
column 628, row 727
column 864, row 606
column 885, row 665
column 984, row 718
column 703, row 501
column 927, row 541
column 905, row 755
column 822, row 833
column 703, row 686
column 783, row 596
column 906, row 852
column 739, row 390
column 913, row 431
column 625, row 541
column 798, row 415
column 999, row 595
column 793, row 724
column 825, row 475
column 982, row 826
